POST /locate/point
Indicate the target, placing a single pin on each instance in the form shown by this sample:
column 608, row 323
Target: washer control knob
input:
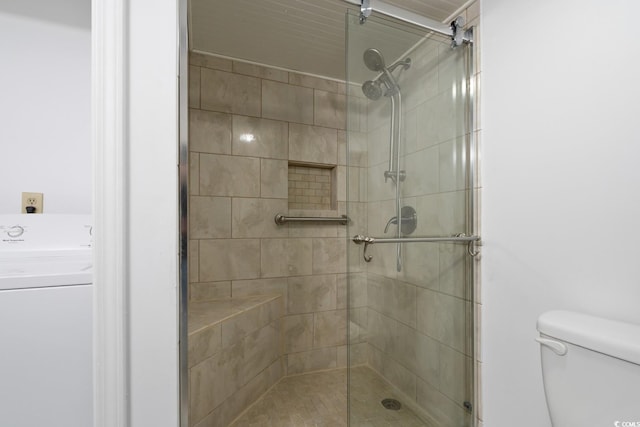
column 15, row 231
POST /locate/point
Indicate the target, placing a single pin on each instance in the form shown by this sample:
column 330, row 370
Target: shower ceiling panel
column 302, row 35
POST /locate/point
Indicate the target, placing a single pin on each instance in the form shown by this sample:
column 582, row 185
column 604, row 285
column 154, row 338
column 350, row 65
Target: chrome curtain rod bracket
column 456, row 32
column 461, row 237
column 281, row 219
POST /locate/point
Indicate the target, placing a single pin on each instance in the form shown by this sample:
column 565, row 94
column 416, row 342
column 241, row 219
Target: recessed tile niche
column 311, row 187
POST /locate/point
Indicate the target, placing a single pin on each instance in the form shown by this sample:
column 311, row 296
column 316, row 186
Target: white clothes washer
column 46, row 363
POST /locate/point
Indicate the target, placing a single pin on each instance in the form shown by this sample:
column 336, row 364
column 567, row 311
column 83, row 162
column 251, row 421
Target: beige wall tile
column 204, row 344
column 311, row 229
column 358, row 154
column 209, row 132
column 399, row 376
column 357, row 290
column 377, row 189
column 259, row 137
column 229, row 176
column 194, row 174
column 343, row 154
column 421, row 265
column 341, row 291
column 260, row 71
column 286, row 102
column 285, row 257
column 455, row 371
column 342, row 357
column 329, row 109
column 194, row 87
column 209, row 217
column 229, row 93
column 392, row 298
column 329, row 256
column 205, row 382
column 443, row 317
column 427, row 362
column 273, row 178
column 453, row 278
column 209, row 61
column 379, row 144
column 358, row 321
column 441, row 408
column 243, row 398
column 357, row 117
column 427, row 123
column 308, row 294
column 261, row 349
column 313, row 144
column 194, row 258
column 423, row 173
column 452, row 165
column 276, row 286
column 323, row 358
column 229, row 259
column 297, row 332
column 313, row 82
column 239, row 326
column 254, row 217
column 207, row 291
column 441, row 214
column 330, row 328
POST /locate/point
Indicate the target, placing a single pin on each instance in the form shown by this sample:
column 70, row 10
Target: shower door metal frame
column 183, row 212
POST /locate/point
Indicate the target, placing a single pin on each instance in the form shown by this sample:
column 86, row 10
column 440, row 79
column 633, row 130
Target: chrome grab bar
column 360, row 239
column 281, row 219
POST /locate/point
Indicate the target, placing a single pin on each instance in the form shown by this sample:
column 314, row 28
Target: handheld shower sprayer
column 373, row 89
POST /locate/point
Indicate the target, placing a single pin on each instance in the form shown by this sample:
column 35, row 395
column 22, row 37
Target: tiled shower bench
column 234, row 355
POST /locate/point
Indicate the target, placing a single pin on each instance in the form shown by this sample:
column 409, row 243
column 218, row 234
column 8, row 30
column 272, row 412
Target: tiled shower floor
column 320, row 400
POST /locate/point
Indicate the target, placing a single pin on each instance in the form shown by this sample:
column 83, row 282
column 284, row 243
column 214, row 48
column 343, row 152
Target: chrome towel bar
column 282, row 219
column 360, row 239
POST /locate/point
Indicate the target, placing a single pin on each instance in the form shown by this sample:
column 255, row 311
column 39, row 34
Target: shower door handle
column 461, row 237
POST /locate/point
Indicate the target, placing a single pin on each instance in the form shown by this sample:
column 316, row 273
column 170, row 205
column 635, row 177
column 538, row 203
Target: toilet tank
column 590, row 369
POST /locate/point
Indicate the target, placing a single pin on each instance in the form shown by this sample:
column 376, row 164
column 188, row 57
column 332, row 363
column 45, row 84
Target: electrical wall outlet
column 32, row 200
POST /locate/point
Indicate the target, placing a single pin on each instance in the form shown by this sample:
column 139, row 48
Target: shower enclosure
column 411, row 246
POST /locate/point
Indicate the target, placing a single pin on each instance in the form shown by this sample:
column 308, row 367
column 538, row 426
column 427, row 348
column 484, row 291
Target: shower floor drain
column 392, row 404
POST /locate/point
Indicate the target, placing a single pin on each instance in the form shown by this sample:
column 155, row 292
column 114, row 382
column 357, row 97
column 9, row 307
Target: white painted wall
column 561, row 177
column 45, row 93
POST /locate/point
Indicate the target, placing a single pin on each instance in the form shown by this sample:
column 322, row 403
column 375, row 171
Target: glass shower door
column 409, row 176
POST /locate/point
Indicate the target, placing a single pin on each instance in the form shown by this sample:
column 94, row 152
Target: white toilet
column 590, row 369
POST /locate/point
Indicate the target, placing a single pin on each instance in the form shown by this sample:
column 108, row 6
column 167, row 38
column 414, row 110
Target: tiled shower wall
column 418, row 321
column 247, row 122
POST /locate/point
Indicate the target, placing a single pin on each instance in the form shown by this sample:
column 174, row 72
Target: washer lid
column 37, row 232
column 43, row 269
column 610, row 337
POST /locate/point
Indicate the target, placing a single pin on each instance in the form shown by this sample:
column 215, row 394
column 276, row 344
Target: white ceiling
column 301, row 35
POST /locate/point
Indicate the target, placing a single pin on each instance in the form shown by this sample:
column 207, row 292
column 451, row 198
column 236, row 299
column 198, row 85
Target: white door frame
column 135, row 167
column 108, row 83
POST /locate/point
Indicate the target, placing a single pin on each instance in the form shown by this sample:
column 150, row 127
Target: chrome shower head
column 373, row 59
column 372, row 89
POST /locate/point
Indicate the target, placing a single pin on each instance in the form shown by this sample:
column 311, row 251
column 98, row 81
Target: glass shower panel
column 410, row 306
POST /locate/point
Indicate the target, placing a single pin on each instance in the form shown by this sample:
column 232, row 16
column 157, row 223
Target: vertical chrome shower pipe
column 392, row 136
column 396, row 131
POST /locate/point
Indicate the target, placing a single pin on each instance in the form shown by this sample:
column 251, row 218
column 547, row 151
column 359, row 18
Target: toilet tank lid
column 611, row 337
